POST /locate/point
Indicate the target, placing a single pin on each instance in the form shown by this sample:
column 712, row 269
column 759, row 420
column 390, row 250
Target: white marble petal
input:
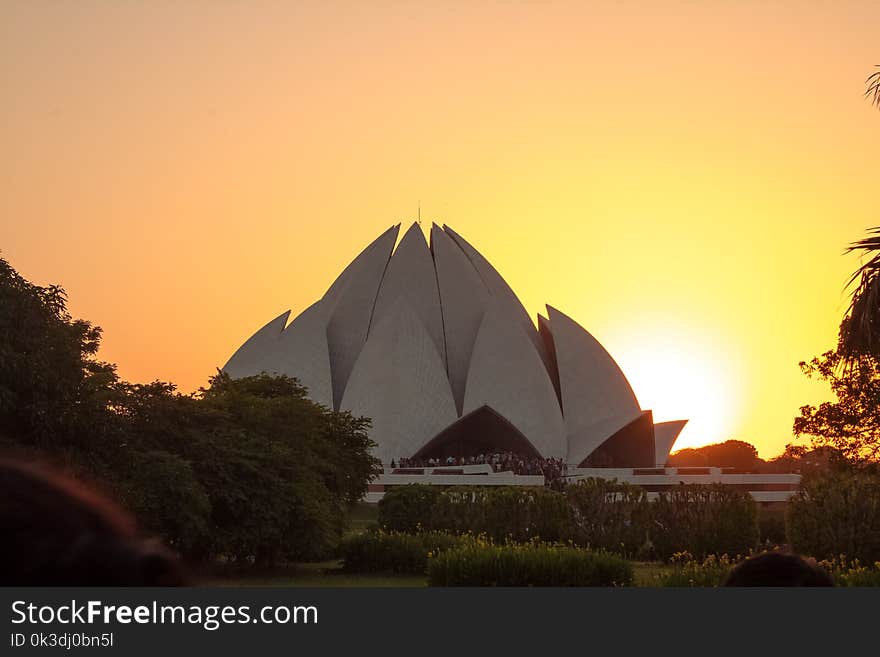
column 258, row 353
column 596, row 397
column 411, row 276
column 352, row 298
column 463, row 299
column 399, row 381
column 501, row 291
column 507, row 374
column 665, row 435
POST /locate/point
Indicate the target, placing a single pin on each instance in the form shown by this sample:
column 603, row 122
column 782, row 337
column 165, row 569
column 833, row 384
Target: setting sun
column 314, row 295
column 679, row 374
column 692, row 221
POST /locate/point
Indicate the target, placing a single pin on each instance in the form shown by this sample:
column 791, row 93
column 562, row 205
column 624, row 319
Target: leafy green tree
column 53, row 390
column 277, row 471
column 850, row 424
column 162, row 490
column 248, row 470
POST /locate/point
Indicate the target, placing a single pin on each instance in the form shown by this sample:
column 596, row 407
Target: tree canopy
column 52, row 387
column 248, row 470
column 850, row 424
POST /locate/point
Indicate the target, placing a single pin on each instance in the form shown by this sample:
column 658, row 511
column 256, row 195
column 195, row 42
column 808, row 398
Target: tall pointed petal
column 258, row 353
column 400, row 383
column 597, row 400
column 352, row 298
column 665, row 435
column 499, row 289
column 507, row 375
column 302, row 353
column 463, row 299
column 410, row 276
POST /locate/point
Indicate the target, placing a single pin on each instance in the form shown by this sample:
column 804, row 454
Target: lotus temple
column 430, row 342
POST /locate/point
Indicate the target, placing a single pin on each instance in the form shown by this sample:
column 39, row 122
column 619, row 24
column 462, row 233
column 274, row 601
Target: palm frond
column 873, row 88
column 860, row 329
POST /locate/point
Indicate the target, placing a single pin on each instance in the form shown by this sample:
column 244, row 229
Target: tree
column 851, row 424
column 53, row 390
column 730, row 453
column 805, row 460
column 250, row 470
column 860, row 330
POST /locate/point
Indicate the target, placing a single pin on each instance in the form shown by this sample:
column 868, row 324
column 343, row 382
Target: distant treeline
column 743, row 456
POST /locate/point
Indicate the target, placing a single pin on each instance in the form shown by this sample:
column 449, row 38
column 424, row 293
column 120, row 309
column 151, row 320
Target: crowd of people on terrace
column 552, row 469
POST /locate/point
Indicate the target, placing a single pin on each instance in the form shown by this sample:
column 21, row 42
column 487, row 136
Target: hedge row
column 500, row 512
column 527, row 564
column 704, row 520
column 837, row 513
column 396, row 552
column 595, row 513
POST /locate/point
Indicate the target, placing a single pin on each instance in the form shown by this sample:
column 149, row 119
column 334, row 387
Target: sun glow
column 693, row 222
column 679, row 374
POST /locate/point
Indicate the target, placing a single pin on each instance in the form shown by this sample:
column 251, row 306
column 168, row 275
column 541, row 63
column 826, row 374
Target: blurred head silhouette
column 778, row 569
column 59, row 533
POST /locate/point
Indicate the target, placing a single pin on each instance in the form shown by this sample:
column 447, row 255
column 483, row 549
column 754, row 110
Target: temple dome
column 432, row 345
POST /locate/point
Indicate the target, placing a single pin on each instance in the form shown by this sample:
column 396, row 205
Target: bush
column 528, row 564
column 407, row 508
column 704, row 520
column 609, row 515
column 396, row 552
column 836, row 513
column 688, row 572
column 500, row 512
column 596, row 513
column 771, row 526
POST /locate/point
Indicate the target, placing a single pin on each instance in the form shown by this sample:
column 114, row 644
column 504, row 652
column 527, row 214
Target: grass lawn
column 362, row 516
column 321, row 574
column 648, row 573
column 329, row 574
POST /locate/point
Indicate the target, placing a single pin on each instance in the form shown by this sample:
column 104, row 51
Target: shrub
column 688, row 572
column 595, row 513
column 396, row 552
column 771, row 526
column 704, row 520
column 836, row 513
column 609, row 515
column 500, row 512
column 407, row 508
column 527, row 564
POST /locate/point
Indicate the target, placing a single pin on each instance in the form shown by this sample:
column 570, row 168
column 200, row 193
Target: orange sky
column 679, row 177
